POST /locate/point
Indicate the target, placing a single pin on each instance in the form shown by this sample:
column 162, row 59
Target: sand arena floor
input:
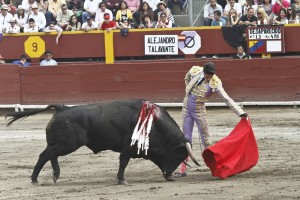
column 85, row 175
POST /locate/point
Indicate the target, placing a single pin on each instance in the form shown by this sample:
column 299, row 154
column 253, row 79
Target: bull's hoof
column 55, row 178
column 34, row 182
column 122, row 182
column 170, row 178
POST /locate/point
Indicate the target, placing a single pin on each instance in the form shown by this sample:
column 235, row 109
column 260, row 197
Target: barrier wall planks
column 276, row 79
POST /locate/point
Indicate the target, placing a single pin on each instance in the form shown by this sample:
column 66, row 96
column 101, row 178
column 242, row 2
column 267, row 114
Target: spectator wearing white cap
column 39, row 18
column 21, row 17
column 12, row 27
column 5, row 17
column 11, row 8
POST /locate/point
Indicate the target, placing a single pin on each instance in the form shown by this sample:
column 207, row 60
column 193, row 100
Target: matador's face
column 208, row 77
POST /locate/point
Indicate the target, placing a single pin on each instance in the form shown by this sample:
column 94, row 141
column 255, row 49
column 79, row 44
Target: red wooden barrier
column 276, row 79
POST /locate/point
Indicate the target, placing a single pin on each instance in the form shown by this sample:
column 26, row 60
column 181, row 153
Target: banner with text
column 161, row 44
column 266, row 39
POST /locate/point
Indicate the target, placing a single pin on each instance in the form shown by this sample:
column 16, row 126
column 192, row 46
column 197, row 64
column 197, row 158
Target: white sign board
column 265, row 33
column 161, row 45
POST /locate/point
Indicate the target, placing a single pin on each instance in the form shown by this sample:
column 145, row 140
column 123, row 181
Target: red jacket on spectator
column 276, row 7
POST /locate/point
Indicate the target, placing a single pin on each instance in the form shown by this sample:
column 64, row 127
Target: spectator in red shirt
column 107, row 24
column 279, row 5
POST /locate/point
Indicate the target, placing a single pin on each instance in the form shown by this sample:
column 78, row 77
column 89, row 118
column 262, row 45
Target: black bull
column 109, row 126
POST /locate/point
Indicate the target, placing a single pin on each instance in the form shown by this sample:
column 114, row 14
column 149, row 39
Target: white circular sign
column 190, row 43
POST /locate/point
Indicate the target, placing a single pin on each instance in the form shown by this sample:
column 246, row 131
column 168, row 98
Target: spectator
column 262, row 17
column 152, row 3
column 180, row 3
column 39, row 18
column 267, row 6
column 42, row 6
column 90, row 8
column 124, row 25
column 297, row 7
column 209, row 11
column 164, row 22
column 232, row 5
column 54, row 6
column 163, row 9
column 218, row 21
column 123, row 13
column 144, row 9
column 232, row 18
column 48, row 61
column 27, row 5
column 5, row 17
column 12, row 28
column 241, row 53
column 281, row 19
column 77, row 7
column 278, row 6
column 74, row 24
column 89, row 25
column 11, row 8
column 21, row 17
column 248, row 19
column 146, row 22
column 113, row 6
column 291, row 15
column 249, row 4
column 108, row 24
column 31, row 27
column 2, row 61
column 133, row 5
column 99, row 18
column 54, row 28
column 63, row 16
column 22, row 62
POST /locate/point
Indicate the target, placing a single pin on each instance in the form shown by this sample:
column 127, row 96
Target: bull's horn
column 191, row 154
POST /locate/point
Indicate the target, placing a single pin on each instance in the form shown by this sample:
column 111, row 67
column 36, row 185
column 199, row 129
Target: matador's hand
column 245, row 115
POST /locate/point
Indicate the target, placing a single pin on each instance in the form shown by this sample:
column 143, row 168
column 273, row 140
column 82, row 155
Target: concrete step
column 181, row 20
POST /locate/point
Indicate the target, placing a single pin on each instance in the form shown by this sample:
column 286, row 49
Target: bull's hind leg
column 124, row 159
column 51, row 153
column 56, row 169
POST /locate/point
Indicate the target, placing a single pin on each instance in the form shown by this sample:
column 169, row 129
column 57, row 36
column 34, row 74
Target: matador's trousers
column 194, row 111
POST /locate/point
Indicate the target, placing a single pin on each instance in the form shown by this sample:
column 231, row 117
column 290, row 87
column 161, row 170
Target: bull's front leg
column 124, row 159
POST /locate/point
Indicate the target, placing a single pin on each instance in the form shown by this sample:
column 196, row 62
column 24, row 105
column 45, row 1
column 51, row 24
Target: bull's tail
column 14, row 116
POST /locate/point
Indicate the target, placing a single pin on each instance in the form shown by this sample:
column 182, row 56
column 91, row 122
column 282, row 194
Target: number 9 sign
column 34, row 46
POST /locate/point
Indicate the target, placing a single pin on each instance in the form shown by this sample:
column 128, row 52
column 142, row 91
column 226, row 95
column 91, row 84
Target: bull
column 109, row 126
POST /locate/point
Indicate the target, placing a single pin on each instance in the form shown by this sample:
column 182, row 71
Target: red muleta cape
column 233, row 154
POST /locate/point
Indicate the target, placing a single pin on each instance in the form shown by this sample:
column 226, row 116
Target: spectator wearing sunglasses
column 292, row 16
column 48, row 61
column 262, row 17
column 63, row 16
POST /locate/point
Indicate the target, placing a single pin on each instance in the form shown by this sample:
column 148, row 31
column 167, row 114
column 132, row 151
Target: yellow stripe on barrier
column 109, row 47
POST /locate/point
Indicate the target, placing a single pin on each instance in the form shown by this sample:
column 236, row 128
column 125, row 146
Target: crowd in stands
column 251, row 12
column 26, row 16
column 72, row 15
